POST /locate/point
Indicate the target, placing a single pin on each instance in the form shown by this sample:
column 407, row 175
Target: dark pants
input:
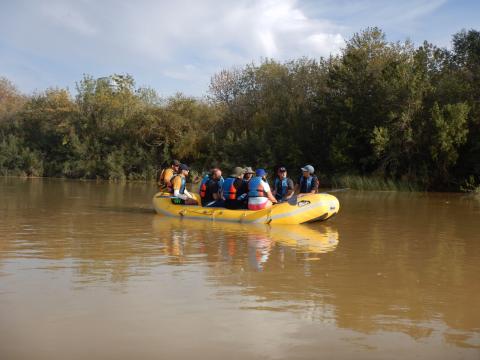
column 214, row 203
column 235, row 204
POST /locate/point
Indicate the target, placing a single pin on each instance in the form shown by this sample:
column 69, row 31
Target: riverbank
column 374, row 183
column 376, row 109
column 343, row 182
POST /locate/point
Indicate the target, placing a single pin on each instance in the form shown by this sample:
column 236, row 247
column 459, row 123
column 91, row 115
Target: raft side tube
column 303, row 209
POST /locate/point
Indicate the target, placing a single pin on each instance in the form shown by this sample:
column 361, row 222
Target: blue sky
column 176, row 46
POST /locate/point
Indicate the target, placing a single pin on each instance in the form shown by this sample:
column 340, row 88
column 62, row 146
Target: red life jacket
column 203, row 187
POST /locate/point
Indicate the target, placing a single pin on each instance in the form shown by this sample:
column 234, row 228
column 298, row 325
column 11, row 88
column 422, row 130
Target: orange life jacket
column 203, row 186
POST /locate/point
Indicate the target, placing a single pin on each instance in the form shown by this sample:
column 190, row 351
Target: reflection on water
column 233, row 242
column 90, row 263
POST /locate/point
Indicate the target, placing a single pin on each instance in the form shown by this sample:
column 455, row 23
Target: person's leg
column 230, row 205
column 217, row 203
column 235, row 205
column 260, row 206
column 177, row 201
column 238, row 205
column 191, row 202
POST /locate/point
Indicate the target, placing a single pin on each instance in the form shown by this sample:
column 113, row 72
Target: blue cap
column 260, row 172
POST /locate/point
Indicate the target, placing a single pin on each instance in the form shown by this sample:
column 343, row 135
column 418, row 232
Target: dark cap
column 282, row 169
column 184, row 167
column 176, row 162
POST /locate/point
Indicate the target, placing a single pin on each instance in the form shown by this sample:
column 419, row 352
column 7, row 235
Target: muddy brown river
column 89, row 271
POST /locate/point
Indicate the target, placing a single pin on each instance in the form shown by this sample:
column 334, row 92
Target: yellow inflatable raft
column 299, row 210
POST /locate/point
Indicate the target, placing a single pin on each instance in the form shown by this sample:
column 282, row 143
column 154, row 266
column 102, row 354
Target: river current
column 89, row 271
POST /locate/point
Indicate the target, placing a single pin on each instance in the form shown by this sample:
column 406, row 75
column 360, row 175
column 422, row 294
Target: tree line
column 379, row 109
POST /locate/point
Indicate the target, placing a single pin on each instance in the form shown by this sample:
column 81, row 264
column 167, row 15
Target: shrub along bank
column 388, row 115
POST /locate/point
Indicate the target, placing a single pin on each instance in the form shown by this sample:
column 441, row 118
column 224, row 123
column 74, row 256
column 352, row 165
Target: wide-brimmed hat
column 238, row 171
column 308, row 168
column 248, row 170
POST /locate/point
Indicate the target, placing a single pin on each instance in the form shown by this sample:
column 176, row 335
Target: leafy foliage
column 386, row 111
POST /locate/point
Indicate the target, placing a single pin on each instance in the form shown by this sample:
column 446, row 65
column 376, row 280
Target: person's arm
column 315, row 185
column 177, row 183
column 271, row 197
column 160, row 177
column 298, row 186
column 167, row 177
column 216, row 194
column 290, row 189
column 176, row 193
column 242, row 189
column 266, row 189
column 188, row 194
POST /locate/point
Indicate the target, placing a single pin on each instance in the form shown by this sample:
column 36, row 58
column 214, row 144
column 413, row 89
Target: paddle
column 337, row 190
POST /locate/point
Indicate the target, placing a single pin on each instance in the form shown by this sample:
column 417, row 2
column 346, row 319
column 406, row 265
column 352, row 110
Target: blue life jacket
column 306, row 184
column 281, row 187
column 183, row 186
column 255, row 187
column 229, row 189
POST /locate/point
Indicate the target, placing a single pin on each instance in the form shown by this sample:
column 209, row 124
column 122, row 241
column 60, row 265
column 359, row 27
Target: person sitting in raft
column 259, row 193
column 308, row 182
column 164, row 180
column 233, row 190
column 248, row 174
column 179, row 186
column 283, row 187
column 210, row 189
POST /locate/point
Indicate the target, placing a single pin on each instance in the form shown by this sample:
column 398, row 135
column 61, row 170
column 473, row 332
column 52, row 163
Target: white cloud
column 184, row 42
column 163, row 29
column 68, row 17
column 322, row 41
column 208, row 29
column 358, row 14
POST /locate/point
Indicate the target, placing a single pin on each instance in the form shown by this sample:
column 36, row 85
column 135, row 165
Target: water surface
column 87, row 270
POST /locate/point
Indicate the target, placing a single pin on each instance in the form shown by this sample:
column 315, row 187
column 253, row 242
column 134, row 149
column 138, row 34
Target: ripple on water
column 390, row 272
